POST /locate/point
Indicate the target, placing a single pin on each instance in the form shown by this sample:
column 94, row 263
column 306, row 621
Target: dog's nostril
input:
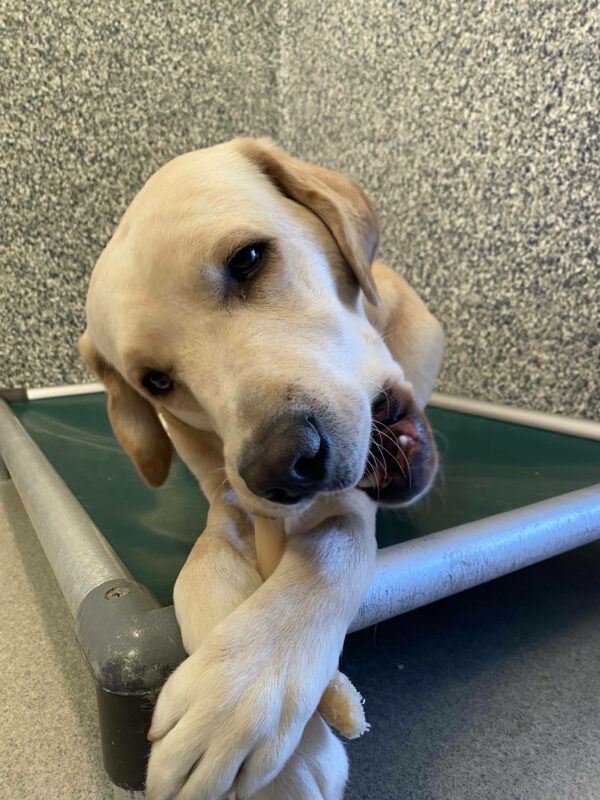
column 313, row 467
column 302, row 467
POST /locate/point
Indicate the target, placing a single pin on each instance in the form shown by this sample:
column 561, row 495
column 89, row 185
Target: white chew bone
column 269, row 536
column 341, row 704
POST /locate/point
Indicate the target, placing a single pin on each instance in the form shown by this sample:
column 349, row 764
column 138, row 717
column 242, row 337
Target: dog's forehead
column 180, row 217
column 185, row 210
column 210, row 175
column 191, row 210
column 196, row 198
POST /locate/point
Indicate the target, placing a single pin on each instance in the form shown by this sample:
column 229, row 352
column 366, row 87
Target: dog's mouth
column 402, row 458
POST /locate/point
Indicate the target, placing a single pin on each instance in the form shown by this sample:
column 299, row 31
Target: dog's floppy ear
column 133, row 419
column 339, row 202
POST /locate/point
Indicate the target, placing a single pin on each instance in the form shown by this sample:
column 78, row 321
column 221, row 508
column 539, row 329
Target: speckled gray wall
column 475, row 128
column 95, row 97
column 473, row 125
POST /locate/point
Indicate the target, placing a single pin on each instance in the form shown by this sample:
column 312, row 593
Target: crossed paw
column 237, row 718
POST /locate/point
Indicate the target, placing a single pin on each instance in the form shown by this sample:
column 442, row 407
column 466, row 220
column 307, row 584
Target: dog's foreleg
column 236, row 710
column 220, row 571
column 219, row 574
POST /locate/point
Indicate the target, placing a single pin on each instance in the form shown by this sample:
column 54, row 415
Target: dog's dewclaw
column 341, row 705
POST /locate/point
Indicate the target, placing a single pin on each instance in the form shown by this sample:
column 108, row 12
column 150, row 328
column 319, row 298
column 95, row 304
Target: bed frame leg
column 131, row 645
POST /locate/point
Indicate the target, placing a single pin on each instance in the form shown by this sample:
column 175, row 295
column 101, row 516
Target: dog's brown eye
column 158, row 382
column 246, row 261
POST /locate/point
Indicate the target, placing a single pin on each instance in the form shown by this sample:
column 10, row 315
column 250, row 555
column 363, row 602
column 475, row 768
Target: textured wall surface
column 94, row 100
column 474, row 127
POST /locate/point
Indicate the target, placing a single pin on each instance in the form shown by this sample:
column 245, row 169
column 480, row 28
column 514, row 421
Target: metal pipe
column 65, row 391
column 572, row 426
column 422, row 570
column 78, row 553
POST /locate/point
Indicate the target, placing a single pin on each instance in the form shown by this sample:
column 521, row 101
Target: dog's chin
column 402, row 460
column 256, row 505
column 259, row 506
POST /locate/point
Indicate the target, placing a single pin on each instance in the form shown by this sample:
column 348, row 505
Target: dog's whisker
column 370, row 468
column 387, row 436
column 378, row 385
column 386, row 450
column 372, row 465
column 405, row 459
column 374, row 470
column 408, row 468
column 393, row 439
column 380, row 464
column 391, row 455
column 383, row 464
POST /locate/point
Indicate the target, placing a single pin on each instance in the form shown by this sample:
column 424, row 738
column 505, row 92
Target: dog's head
column 230, row 299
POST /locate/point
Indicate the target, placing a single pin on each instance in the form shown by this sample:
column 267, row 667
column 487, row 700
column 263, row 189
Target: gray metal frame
column 79, row 555
column 417, row 572
column 571, row 426
column 130, row 643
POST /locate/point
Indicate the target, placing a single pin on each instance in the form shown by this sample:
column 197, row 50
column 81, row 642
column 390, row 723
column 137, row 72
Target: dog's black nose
column 290, row 462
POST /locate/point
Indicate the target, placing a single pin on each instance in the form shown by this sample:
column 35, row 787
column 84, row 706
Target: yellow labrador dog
column 238, row 316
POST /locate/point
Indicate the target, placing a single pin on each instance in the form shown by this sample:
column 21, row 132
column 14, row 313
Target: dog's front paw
column 317, row 770
column 233, row 712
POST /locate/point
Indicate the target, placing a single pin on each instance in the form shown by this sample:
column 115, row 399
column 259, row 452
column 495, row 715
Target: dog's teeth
column 403, row 441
